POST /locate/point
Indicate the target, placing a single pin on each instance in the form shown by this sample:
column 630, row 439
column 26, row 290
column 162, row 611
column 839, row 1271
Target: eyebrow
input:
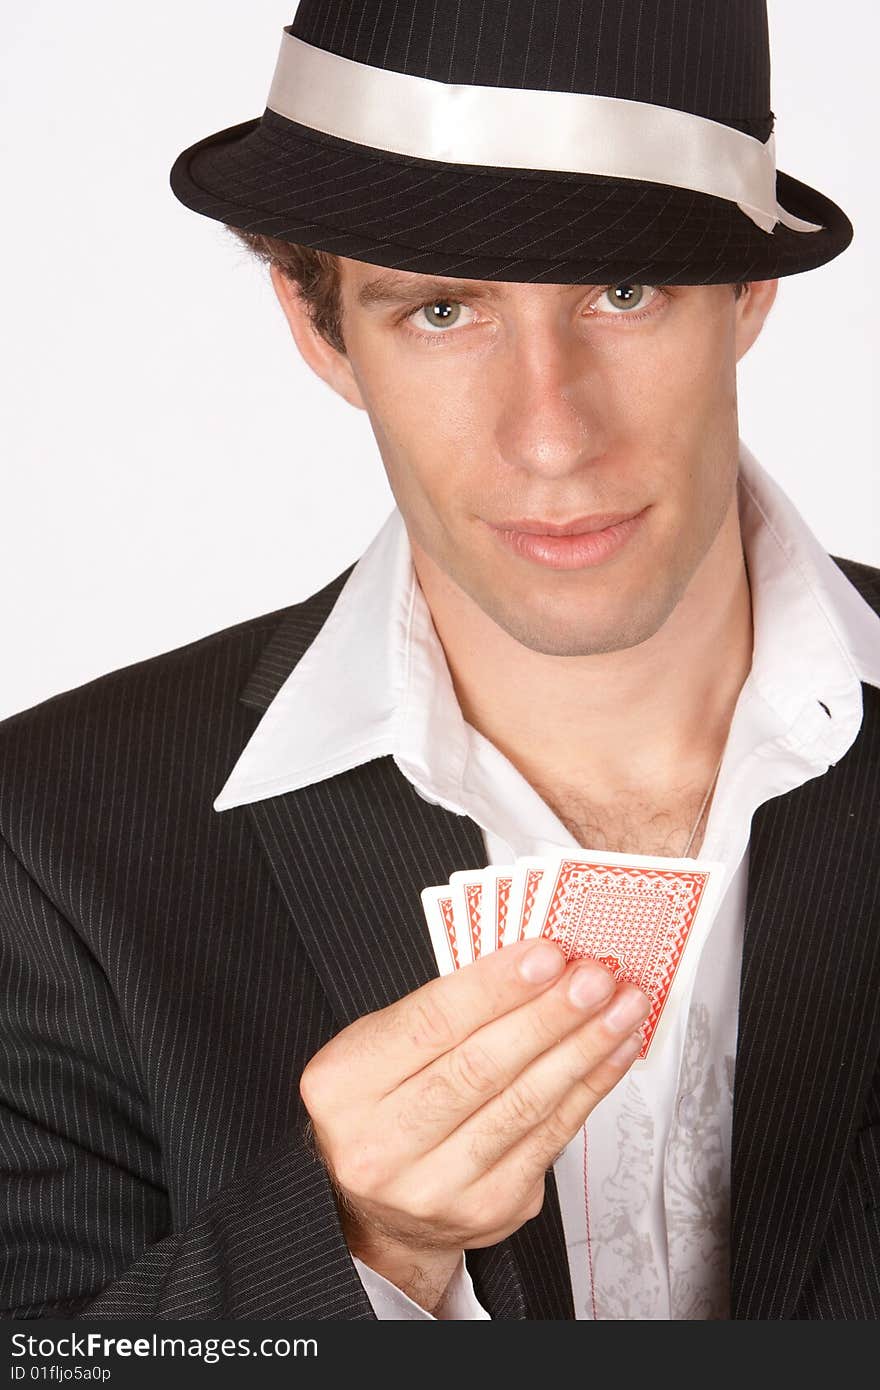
column 390, row 289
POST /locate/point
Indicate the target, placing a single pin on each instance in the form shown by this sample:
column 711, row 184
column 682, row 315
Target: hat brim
column 275, row 177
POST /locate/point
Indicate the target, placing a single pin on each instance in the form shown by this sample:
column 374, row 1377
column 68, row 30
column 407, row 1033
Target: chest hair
column 630, row 824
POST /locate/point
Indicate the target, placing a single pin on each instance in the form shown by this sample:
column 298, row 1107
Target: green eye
column 441, row 313
column 625, row 296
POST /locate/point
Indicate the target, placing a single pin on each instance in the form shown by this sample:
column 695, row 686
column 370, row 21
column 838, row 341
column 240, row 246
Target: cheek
column 427, row 423
column 679, row 398
column 420, row 444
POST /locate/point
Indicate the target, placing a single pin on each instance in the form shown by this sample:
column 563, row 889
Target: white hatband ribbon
column 509, row 128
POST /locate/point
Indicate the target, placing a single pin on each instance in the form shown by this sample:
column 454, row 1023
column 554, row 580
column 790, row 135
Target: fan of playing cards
column 635, row 914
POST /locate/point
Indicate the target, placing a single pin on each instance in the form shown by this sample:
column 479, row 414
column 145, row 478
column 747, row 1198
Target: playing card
column 467, row 900
column 636, row 914
column 450, row 951
column 527, row 879
column 497, row 881
column 466, row 917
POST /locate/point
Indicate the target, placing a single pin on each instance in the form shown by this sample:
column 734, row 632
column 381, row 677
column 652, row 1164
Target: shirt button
column 687, row 1113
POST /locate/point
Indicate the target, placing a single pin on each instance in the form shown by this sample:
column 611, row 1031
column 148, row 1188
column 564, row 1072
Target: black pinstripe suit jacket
column 168, row 971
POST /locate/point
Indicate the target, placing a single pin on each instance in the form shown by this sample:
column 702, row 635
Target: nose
column 548, row 418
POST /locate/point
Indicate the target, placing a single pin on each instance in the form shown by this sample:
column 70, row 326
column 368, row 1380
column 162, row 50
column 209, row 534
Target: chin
column 608, row 612
column 557, row 635
column 577, row 644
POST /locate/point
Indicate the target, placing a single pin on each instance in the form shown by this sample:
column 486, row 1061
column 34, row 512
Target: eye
column 438, row 314
column 623, row 299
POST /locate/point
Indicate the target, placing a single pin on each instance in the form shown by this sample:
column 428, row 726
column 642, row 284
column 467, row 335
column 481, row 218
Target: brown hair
column 315, row 272
column 317, row 275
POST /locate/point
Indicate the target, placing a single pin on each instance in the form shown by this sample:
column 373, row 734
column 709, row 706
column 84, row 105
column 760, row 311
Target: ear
column 752, row 308
column 331, row 366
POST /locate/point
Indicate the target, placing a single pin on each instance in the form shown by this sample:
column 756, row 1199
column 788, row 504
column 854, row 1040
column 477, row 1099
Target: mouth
column 577, row 544
column 579, row 526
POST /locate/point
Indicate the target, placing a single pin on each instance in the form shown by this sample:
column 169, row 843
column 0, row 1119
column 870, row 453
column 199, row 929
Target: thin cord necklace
column 703, row 807
column 590, row 1271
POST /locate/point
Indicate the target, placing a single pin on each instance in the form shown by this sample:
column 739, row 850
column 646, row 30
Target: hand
column 438, row 1117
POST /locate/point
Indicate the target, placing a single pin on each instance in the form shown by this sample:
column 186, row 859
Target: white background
column 169, row 465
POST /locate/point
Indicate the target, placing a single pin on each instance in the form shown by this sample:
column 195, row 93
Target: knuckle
column 586, row 1052
column 557, row 1131
column 435, row 1099
column 506, row 1205
column 474, row 1070
column 428, row 1204
column 523, row 1106
column 485, row 1210
column 544, row 1020
column 429, row 1026
column 362, row 1169
column 313, row 1082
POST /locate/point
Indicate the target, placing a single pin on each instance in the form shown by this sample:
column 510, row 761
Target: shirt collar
column 375, row 680
column 815, row 638
column 357, row 692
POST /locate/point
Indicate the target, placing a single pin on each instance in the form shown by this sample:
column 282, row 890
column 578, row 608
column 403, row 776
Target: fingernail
column 541, row 963
column 628, row 1008
column 627, row 1051
column 590, row 984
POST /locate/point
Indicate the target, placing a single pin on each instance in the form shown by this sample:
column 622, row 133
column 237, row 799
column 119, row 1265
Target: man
column 232, row 1086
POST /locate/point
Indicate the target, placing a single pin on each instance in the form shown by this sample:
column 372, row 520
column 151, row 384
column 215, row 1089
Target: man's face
column 497, row 402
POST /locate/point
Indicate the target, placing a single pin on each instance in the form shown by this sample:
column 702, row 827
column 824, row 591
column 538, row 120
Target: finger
column 577, row 1070
column 408, row 1035
column 511, row 1181
column 442, row 1095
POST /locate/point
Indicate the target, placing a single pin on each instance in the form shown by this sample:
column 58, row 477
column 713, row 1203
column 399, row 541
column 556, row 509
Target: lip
column 563, row 547
column 581, row 525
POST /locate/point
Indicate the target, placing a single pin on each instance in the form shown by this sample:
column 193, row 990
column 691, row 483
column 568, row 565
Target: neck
column 650, row 718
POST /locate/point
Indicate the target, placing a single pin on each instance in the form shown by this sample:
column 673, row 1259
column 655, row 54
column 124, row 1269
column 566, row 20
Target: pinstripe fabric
column 157, row 1011
column 842, row 1282
column 168, row 971
column 361, row 911
column 806, row 1094
column 708, row 57
column 808, row 1030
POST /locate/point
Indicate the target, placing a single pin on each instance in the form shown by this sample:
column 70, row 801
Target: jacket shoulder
column 245, row 637
column 171, row 718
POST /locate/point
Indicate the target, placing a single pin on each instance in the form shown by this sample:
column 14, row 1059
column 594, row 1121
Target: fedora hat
column 566, row 141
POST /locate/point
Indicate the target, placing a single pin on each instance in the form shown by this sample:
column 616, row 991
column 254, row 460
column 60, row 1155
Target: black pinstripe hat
column 567, row 141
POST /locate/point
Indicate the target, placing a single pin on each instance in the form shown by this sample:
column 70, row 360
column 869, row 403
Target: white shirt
column 644, row 1188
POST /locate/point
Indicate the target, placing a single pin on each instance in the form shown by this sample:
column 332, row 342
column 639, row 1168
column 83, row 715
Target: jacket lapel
column 351, row 855
column 809, row 1012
